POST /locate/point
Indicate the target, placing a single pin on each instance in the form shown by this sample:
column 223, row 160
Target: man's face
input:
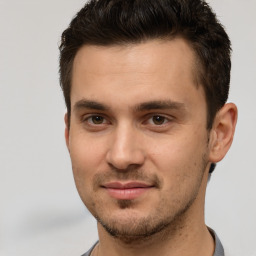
column 138, row 140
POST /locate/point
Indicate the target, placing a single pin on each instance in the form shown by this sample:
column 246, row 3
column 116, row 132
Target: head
column 116, row 22
column 145, row 84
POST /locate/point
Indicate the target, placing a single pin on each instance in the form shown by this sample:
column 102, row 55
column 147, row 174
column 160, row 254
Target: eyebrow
column 145, row 106
column 160, row 104
column 89, row 104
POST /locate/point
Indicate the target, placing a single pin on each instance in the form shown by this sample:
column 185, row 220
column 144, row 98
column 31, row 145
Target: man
column 146, row 84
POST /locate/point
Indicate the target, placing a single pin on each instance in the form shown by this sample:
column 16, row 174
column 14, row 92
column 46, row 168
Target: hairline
column 196, row 65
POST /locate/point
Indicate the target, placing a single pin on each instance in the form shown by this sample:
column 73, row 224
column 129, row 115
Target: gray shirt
column 219, row 251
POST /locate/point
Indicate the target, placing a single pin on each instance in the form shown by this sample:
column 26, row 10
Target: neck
column 185, row 242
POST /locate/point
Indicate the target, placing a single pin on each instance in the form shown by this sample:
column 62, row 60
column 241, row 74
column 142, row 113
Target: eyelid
column 145, row 121
column 86, row 117
column 168, row 119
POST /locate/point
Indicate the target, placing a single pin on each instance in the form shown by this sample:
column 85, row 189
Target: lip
column 128, row 190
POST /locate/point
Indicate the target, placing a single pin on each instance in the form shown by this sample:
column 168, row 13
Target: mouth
column 128, row 190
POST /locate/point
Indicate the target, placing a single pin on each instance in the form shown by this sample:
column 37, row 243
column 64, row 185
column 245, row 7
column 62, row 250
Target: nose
column 125, row 148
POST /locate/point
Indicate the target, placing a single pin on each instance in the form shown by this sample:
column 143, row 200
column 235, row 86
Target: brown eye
column 96, row 120
column 158, row 120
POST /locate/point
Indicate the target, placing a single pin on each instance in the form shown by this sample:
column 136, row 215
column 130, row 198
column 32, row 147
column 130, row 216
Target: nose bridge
column 125, row 147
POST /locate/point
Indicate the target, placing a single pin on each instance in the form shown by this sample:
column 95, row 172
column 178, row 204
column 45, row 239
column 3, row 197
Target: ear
column 66, row 130
column 222, row 133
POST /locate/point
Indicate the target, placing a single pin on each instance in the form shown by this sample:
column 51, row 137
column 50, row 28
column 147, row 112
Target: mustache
column 131, row 173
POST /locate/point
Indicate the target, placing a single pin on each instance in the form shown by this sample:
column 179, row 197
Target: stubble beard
column 145, row 229
column 162, row 222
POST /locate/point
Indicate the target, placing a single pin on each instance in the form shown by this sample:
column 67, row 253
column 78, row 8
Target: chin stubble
column 148, row 227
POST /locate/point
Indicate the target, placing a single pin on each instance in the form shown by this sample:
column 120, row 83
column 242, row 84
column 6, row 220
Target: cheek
column 87, row 159
column 179, row 155
column 85, row 150
column 181, row 167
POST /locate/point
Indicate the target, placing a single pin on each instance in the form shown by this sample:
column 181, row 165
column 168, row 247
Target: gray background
column 40, row 210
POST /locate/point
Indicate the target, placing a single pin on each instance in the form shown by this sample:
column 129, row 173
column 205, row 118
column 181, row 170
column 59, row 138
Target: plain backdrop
column 40, row 210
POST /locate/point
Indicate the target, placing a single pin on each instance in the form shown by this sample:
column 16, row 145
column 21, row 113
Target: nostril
column 129, row 168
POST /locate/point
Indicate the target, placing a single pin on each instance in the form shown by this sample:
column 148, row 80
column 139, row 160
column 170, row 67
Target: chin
column 131, row 226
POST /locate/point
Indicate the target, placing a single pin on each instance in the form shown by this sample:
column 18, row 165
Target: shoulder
column 88, row 253
column 219, row 250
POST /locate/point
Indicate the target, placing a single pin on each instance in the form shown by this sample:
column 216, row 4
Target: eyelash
column 163, row 118
column 148, row 120
column 87, row 118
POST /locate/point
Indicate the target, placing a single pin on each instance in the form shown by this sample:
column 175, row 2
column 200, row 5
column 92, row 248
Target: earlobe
column 222, row 132
column 66, row 130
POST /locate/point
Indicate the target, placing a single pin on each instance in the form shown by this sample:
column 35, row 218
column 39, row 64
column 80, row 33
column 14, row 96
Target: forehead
column 150, row 70
column 149, row 56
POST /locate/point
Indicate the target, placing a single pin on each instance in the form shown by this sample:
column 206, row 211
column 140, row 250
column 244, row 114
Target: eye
column 96, row 120
column 158, row 120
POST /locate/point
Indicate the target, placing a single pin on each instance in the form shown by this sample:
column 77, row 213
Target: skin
column 138, row 119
